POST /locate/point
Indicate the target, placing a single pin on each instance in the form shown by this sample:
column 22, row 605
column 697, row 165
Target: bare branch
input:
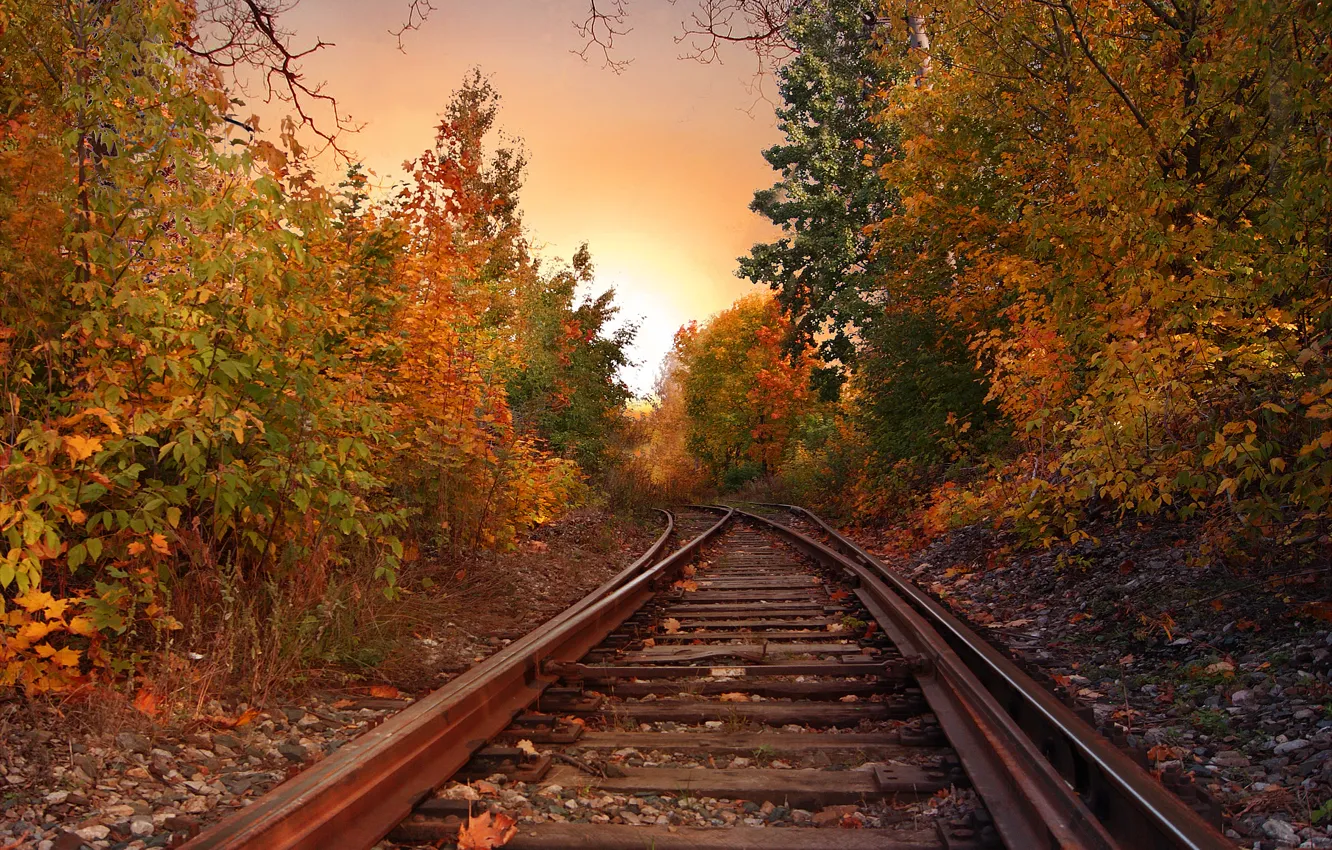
column 246, row 34
column 418, row 12
column 600, row 29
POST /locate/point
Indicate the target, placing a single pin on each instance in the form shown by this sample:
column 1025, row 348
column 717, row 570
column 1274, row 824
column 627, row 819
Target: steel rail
column 1133, row 807
column 1031, row 805
column 355, row 796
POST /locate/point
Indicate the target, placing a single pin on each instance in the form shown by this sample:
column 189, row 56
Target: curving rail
column 1135, row 809
column 355, row 796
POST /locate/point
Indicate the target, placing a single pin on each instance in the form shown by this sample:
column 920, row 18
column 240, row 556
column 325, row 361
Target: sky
column 654, row 167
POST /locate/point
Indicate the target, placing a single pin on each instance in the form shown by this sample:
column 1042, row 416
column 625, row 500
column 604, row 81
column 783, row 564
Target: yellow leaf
column 79, row 447
column 35, row 600
column 160, row 545
column 82, row 626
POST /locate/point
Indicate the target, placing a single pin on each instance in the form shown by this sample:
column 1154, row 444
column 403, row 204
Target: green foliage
column 823, row 268
column 568, row 388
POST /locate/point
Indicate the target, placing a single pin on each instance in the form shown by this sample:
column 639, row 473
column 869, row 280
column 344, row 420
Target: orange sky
column 654, row 167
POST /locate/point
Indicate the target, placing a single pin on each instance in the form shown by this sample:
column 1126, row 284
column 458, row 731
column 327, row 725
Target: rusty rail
column 1127, row 803
column 355, row 796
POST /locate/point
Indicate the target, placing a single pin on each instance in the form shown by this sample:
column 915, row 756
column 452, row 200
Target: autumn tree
column 742, row 394
column 223, row 376
column 1127, row 206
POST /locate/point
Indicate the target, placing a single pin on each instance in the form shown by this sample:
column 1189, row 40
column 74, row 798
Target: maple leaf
column 687, row 585
column 839, row 595
column 734, row 696
column 527, row 747
column 649, row 643
column 689, row 571
column 849, row 698
column 35, row 600
column 160, row 545
column 486, row 831
column 384, row 692
column 671, row 625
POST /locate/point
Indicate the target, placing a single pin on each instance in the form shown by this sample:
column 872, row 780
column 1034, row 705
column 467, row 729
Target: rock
column 292, row 751
column 195, row 806
column 1281, row 831
column 142, row 826
column 94, row 833
column 832, row 815
column 1244, row 696
column 134, row 742
column 1290, row 746
column 56, row 797
column 231, row 742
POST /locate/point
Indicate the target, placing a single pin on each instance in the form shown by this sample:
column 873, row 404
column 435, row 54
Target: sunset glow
column 653, row 167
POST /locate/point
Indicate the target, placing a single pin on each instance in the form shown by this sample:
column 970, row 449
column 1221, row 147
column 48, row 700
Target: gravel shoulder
column 1211, row 665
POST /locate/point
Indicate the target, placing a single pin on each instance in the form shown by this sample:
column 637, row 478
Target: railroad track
column 767, row 672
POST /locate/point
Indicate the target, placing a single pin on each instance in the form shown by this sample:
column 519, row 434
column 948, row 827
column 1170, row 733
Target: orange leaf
column 671, row 625
column 146, row 702
column 384, row 692
column 838, row 595
column 487, row 831
column 688, row 585
column 734, row 696
column 224, row 722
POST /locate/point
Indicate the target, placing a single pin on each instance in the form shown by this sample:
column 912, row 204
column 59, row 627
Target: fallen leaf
column 384, row 692
column 649, row 643
column 1218, row 605
column 850, row 698
column 243, row 719
column 835, row 627
column 1079, row 617
column 1127, row 659
column 145, row 701
column 838, row 595
column 1248, row 626
column 527, row 747
column 689, row 571
column 734, row 696
column 486, row 831
column 671, row 625
column 1220, row 667
column 344, row 703
column 687, row 585
column 1317, row 610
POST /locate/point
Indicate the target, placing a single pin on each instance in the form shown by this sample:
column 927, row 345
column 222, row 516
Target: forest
column 1039, row 263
